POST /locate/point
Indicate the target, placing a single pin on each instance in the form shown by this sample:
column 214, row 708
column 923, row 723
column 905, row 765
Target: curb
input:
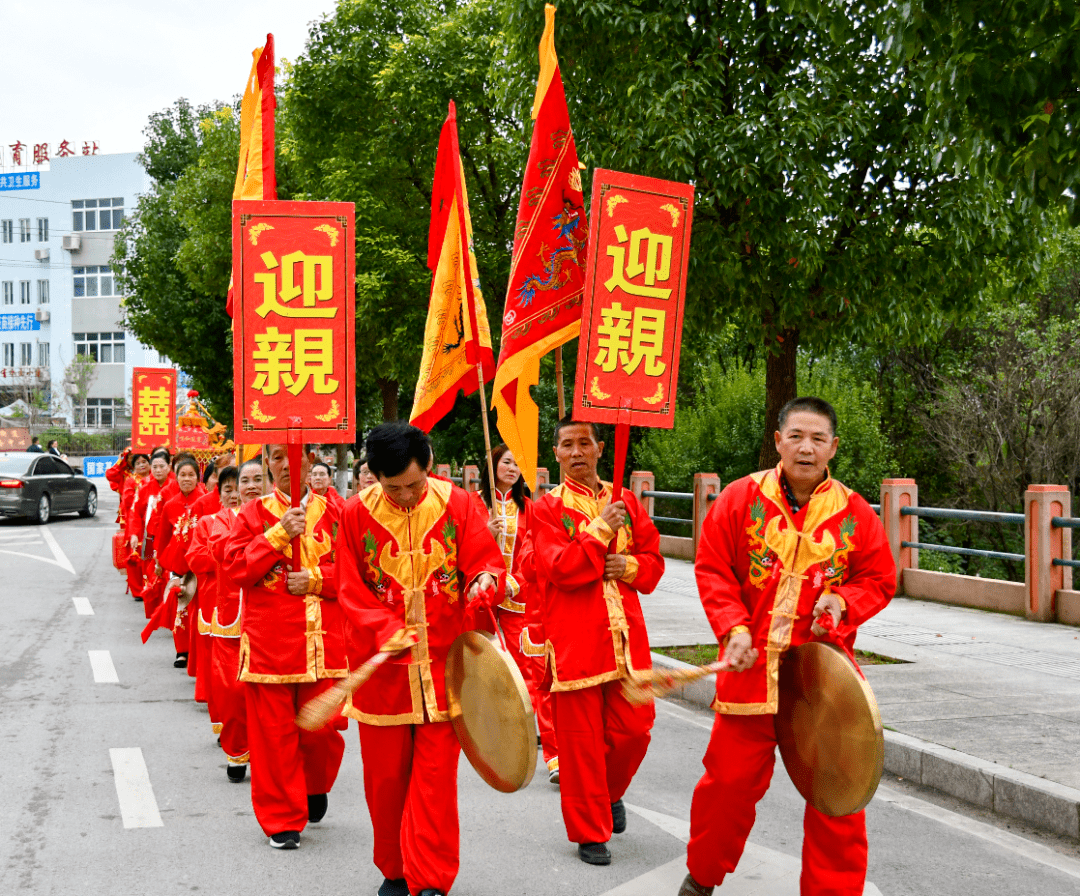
column 989, row 785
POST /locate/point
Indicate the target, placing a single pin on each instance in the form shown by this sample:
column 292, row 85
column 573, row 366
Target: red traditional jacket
column 119, row 473
column 511, row 544
column 147, row 504
column 201, row 562
column 208, row 504
column 762, row 566
column 175, row 528
column 132, row 486
column 594, row 630
column 405, row 572
column 335, row 498
column 286, row 638
column 225, row 622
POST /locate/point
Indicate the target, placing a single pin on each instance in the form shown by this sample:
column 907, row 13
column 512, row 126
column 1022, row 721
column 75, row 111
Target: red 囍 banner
column 294, row 320
column 635, row 292
column 153, row 408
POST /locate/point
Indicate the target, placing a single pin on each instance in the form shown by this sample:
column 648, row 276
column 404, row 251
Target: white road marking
column 104, row 670
column 21, row 537
column 82, row 606
column 138, row 807
column 761, row 871
column 1029, row 849
column 61, row 558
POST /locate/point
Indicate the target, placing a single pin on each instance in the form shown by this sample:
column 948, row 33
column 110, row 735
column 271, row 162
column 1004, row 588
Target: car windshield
column 14, row 466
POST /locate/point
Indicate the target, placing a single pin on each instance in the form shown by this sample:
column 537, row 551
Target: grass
column 701, row 654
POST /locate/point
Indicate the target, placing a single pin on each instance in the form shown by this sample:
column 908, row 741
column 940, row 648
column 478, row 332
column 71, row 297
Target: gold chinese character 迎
column 313, row 269
column 628, row 265
column 628, row 339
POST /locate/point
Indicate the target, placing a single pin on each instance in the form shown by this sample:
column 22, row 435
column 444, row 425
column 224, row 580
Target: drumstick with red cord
column 318, row 711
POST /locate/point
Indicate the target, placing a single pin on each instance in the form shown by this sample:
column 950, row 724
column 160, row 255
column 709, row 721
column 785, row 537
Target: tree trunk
column 779, row 390
column 344, row 474
column 389, row 390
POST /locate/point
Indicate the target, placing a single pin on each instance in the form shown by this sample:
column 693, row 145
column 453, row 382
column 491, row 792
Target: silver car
column 41, row 485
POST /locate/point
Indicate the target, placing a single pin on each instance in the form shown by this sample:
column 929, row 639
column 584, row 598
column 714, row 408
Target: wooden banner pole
column 487, row 430
column 296, row 464
column 559, row 382
column 622, row 443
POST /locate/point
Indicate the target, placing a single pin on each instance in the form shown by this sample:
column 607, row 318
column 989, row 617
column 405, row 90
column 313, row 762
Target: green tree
column 1001, row 89
column 823, row 213
column 360, row 122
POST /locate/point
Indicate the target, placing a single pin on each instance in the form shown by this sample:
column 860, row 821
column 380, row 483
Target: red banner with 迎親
column 153, row 408
column 294, row 321
column 635, row 292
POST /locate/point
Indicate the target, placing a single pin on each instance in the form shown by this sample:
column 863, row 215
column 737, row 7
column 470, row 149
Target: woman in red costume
column 175, row 528
column 143, row 521
column 201, row 562
column 140, row 466
column 321, row 481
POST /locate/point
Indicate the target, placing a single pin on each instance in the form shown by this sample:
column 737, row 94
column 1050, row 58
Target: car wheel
column 90, row 507
column 44, row 510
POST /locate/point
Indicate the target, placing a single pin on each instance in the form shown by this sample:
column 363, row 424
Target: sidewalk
column 985, row 708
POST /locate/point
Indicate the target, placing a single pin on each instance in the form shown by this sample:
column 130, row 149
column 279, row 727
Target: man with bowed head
column 778, row 550
column 415, row 563
column 593, row 556
column 291, row 646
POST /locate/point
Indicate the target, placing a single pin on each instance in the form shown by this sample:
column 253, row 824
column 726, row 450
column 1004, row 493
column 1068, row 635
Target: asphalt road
column 72, row 743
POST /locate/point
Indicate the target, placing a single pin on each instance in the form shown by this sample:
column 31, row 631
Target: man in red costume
column 291, row 647
column 415, row 561
column 595, row 635
column 778, row 549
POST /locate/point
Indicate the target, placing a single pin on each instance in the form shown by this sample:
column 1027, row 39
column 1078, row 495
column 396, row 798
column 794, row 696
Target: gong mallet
column 319, row 710
column 645, row 686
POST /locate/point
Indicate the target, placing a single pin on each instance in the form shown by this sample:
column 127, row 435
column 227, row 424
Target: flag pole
column 559, row 381
column 487, row 432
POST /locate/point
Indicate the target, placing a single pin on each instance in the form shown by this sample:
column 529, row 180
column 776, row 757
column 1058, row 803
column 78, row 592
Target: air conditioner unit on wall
column 41, row 315
column 72, row 243
column 41, row 254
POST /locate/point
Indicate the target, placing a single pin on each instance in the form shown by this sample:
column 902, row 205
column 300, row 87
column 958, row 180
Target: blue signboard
column 29, row 181
column 19, row 322
column 95, row 467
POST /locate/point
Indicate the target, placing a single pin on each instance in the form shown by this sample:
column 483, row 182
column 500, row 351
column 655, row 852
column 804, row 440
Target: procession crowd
column 409, row 561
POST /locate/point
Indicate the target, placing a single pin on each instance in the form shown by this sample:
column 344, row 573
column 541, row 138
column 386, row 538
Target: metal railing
column 971, row 516
column 1066, row 522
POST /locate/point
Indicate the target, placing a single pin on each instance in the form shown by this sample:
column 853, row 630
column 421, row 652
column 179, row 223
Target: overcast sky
column 94, row 70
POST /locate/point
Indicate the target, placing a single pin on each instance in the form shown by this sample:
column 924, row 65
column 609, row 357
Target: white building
column 58, row 296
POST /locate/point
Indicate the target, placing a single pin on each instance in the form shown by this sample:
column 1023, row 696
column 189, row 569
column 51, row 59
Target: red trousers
column 200, row 649
column 738, row 767
column 532, row 670
column 602, row 741
column 153, row 587
column 410, row 783
column 288, row 763
column 135, row 577
column 230, row 703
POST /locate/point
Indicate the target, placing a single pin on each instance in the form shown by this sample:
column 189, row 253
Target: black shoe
column 428, row 891
column 316, row 806
column 396, row 887
column 691, row 887
column 618, row 817
column 137, row 600
column 236, row 773
column 181, row 661
column 594, row 853
column 285, row 840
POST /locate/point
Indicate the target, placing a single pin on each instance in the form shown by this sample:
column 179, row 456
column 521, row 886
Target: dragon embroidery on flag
column 567, row 249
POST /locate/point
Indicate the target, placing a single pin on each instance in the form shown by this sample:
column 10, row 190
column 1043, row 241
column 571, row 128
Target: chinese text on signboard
column 153, row 408
column 294, row 312
column 635, row 290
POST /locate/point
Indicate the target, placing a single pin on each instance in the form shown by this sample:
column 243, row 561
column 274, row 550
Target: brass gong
column 491, row 711
column 829, row 729
column 188, row 587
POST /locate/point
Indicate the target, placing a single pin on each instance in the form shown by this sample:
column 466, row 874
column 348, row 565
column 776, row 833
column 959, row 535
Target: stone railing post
column 443, row 470
column 895, row 495
column 643, row 481
column 542, row 477
column 705, row 484
column 1042, row 544
column 470, row 478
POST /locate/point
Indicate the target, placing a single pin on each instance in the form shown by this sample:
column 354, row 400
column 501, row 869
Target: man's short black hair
column 807, row 403
column 391, row 447
column 569, row 420
column 227, row 475
column 34, row 440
